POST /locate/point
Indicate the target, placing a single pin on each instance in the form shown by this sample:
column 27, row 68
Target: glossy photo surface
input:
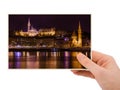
column 48, row 41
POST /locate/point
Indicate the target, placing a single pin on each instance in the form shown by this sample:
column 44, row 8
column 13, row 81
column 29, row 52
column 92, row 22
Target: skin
column 102, row 68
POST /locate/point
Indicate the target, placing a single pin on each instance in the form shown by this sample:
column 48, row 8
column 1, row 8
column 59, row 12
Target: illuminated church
column 31, row 31
column 77, row 39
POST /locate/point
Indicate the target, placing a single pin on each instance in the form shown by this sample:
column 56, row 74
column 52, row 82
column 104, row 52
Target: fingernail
column 80, row 56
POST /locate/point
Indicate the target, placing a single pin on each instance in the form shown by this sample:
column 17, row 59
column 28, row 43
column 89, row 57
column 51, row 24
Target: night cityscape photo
column 48, row 41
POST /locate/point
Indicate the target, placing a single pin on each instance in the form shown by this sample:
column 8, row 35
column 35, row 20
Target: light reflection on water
column 41, row 60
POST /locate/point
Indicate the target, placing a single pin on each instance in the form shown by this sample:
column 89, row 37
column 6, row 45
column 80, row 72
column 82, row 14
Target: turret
column 29, row 25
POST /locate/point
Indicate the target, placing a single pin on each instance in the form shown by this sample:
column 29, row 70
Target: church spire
column 79, row 27
column 28, row 24
column 79, row 35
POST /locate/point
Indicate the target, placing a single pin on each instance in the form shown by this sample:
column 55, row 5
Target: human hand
column 102, row 68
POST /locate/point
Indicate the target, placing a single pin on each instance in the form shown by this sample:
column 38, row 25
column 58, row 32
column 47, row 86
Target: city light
column 18, row 54
column 47, row 37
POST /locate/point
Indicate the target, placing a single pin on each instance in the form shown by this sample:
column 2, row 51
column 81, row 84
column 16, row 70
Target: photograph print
column 48, row 41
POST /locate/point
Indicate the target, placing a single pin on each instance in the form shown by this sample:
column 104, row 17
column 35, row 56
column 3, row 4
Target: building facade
column 77, row 38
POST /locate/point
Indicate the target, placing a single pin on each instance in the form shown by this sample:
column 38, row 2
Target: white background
column 105, row 24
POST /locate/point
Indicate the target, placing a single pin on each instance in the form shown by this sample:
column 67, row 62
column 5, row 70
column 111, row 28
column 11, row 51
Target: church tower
column 74, row 39
column 29, row 25
column 79, row 35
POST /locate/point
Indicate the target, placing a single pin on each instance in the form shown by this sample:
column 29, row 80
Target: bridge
column 55, row 49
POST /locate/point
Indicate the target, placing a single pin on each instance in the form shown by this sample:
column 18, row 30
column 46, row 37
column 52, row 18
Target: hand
column 103, row 68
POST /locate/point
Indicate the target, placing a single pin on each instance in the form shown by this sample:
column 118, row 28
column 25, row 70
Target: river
column 44, row 60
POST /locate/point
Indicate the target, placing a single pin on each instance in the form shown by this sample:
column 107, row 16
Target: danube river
column 44, row 60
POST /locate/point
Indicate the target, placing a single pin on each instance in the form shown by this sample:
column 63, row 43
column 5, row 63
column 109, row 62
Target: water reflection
column 38, row 59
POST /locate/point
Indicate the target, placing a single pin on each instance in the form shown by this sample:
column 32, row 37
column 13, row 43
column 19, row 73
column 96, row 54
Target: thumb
column 89, row 64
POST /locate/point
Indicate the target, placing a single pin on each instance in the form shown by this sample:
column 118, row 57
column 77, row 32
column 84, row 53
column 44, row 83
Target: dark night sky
column 60, row 22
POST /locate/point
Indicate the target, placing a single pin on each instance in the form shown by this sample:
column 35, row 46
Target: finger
column 83, row 73
column 86, row 62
